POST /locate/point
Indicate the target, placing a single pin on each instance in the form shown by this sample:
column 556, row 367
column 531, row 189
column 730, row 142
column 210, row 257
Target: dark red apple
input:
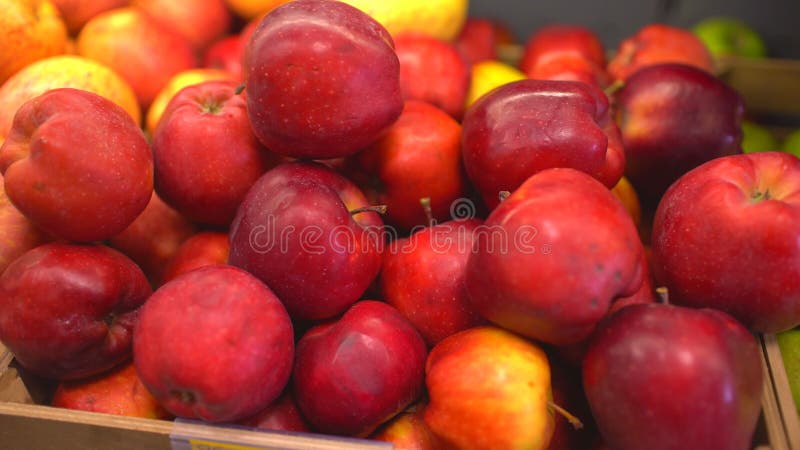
column 152, row 239
column 664, row 377
column 281, row 415
column 205, row 248
column 528, row 126
column 725, row 236
column 561, row 224
column 214, row 344
column 658, row 43
column 298, row 230
column 419, row 157
column 205, row 153
column 67, row 311
column 673, row 118
column 423, row 277
column 355, row 373
column 77, row 165
column 434, row 71
column 481, row 39
column 322, row 79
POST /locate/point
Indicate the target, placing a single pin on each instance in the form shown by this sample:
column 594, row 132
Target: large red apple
column 300, row 231
column 561, row 224
column 434, row 71
column 423, row 277
column 76, row 165
column 205, row 153
column 674, row 117
column 214, row 344
column 419, row 157
column 725, row 236
column 67, row 311
column 528, row 126
column 322, row 79
column 355, row 373
column 667, row 377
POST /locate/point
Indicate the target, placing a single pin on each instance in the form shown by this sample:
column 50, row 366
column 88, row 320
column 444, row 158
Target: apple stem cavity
column 574, row 421
column 426, row 206
column 662, row 293
column 503, row 195
column 758, row 196
column 380, row 209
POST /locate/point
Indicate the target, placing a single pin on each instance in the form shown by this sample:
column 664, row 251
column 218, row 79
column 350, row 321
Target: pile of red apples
column 361, row 255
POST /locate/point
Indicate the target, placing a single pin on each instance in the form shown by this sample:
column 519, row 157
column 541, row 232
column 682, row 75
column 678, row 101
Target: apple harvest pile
column 344, row 245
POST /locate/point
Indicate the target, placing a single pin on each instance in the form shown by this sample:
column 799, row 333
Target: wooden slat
column 768, row 86
column 779, row 383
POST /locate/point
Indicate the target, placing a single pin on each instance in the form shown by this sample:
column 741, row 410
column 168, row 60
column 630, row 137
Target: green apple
column 792, row 143
column 789, row 343
column 728, row 36
column 757, row 138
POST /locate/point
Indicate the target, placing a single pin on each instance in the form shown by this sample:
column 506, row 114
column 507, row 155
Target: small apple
column 205, row 248
column 77, row 12
column 418, row 157
column 32, row 30
column 757, row 138
column 490, row 74
column 226, row 54
column 433, row 71
column 544, row 124
column 489, row 389
column 423, row 277
column 303, row 230
column 214, row 344
column 731, row 209
column 118, row 391
column 205, row 154
column 560, row 224
column 408, row 431
column 76, row 165
column 730, row 36
column 67, row 311
column 569, row 67
column 559, row 39
column 322, row 79
column 669, row 377
column 200, row 23
column 657, row 43
column 281, row 415
column 359, row 371
column 674, row 117
column 482, row 39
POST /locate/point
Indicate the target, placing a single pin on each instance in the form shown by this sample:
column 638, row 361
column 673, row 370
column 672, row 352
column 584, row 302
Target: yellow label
column 198, row 444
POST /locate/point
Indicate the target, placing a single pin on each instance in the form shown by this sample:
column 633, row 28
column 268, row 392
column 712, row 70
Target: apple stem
column 613, row 88
column 503, row 195
column 426, row 205
column 663, row 295
column 574, row 421
column 380, row 209
column 239, row 89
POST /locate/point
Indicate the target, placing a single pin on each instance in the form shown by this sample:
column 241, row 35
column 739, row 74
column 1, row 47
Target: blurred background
column 778, row 21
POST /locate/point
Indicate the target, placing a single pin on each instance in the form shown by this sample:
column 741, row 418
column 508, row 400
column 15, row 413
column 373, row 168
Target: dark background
column 778, row 21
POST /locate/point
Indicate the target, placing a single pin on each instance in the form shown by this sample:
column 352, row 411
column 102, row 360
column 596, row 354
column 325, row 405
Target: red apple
column 557, row 40
column 298, row 230
column 561, row 224
column 17, row 234
column 419, row 157
column 137, row 47
column 214, row 344
column 657, row 43
column 489, row 389
column 205, row 248
column 205, row 153
column 355, row 373
column 152, row 239
column 724, row 212
column 226, row 54
column 423, row 277
column 118, row 391
column 668, row 377
column 67, row 311
column 322, row 79
column 76, row 165
column 673, row 118
column 199, row 22
column 281, row 415
column 77, row 12
column 543, row 124
column 434, row 71
column 568, row 67
column 480, row 39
